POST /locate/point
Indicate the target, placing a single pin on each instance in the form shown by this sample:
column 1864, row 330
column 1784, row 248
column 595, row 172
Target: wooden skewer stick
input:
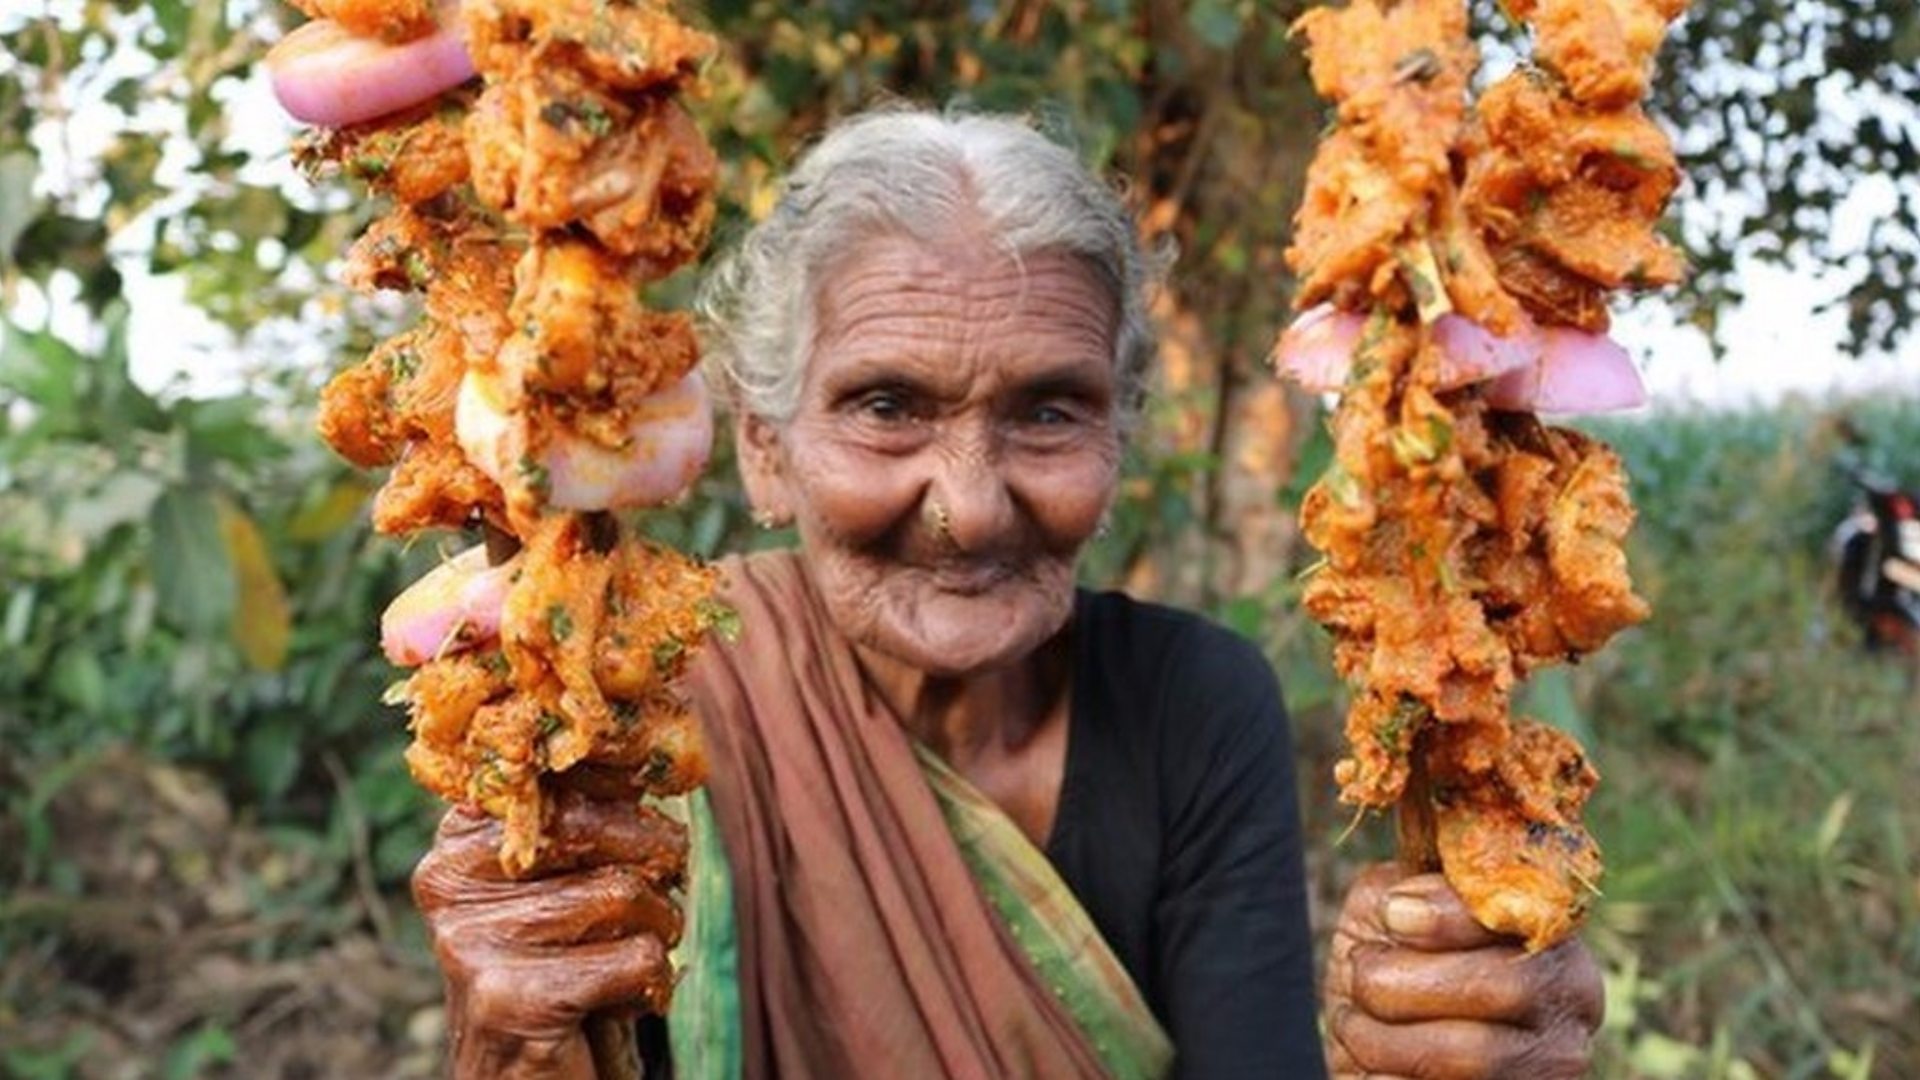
column 1416, row 841
column 610, row 1033
column 616, row 1049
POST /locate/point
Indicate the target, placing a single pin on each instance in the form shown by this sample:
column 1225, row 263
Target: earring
column 769, row 520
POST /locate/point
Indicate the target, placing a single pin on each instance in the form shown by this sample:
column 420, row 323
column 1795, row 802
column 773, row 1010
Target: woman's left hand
column 1417, row 989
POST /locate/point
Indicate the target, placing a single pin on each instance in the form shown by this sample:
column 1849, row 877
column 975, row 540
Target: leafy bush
column 193, row 578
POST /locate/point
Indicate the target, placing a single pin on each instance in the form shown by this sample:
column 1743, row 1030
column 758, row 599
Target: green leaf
column 123, row 497
column 192, row 576
column 18, row 205
column 271, row 754
column 709, row 528
column 54, row 1063
column 1246, row 616
column 1216, row 23
column 171, row 17
column 262, row 619
column 228, row 429
column 79, row 681
column 194, row 1055
column 41, row 368
column 19, row 620
column 337, row 508
column 1549, row 696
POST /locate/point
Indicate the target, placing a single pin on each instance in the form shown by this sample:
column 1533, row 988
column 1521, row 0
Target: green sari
column 1055, row 933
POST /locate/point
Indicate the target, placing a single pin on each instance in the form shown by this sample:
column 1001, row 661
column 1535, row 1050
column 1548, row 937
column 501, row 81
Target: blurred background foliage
column 205, row 825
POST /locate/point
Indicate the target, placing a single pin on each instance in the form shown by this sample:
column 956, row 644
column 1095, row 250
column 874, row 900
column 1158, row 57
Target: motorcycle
column 1877, row 555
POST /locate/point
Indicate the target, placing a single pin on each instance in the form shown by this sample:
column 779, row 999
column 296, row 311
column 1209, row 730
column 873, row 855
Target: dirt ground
column 171, row 939
column 174, row 941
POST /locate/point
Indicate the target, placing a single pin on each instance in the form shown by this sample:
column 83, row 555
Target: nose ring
column 941, row 521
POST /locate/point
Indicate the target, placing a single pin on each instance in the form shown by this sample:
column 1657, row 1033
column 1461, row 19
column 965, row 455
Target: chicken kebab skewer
column 1455, row 257
column 540, row 171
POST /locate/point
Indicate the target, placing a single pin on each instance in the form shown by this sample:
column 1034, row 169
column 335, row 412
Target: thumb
column 1425, row 913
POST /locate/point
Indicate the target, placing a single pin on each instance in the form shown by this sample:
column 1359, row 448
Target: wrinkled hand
column 526, row 961
column 1417, row 989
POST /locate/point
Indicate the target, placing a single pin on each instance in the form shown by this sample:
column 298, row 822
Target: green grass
column 1763, row 912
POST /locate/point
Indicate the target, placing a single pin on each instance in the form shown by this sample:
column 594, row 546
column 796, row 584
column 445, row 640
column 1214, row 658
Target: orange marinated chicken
column 412, row 157
column 529, row 209
column 590, row 643
column 1465, row 548
column 550, row 149
column 631, row 46
column 1510, row 837
column 528, row 214
column 388, row 20
column 579, row 328
column 433, row 486
column 1603, row 49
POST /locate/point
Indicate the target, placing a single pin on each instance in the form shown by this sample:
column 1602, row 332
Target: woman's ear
column 763, row 468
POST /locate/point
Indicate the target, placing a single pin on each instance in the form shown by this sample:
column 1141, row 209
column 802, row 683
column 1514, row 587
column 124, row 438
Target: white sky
column 1778, row 342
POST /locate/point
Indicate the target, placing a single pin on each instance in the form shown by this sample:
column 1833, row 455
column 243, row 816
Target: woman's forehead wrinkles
column 899, row 297
column 904, row 268
column 949, row 342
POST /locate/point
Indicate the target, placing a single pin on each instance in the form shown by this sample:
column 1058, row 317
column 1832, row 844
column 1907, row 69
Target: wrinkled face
column 955, row 445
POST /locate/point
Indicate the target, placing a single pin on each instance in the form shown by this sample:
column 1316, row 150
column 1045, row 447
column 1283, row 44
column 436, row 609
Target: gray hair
column 917, row 173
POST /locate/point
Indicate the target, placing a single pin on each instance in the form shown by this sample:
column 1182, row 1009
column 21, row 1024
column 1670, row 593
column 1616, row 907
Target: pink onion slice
column 1471, row 352
column 1318, row 348
column 326, row 76
column 669, row 442
column 1578, row 372
column 455, row 606
column 1539, row 369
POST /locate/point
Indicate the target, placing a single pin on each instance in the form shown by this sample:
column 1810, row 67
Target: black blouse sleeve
column 1232, row 948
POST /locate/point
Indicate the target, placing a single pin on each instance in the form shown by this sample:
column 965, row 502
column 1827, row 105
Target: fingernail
column 1407, row 916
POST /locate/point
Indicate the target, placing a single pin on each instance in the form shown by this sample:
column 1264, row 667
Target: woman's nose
column 968, row 504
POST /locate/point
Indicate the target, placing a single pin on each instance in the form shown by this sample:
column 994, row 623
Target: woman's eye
column 887, row 406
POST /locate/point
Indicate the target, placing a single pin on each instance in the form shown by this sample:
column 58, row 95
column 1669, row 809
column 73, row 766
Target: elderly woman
column 964, row 819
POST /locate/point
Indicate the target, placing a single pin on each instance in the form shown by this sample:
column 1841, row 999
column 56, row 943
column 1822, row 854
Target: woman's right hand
column 526, row 961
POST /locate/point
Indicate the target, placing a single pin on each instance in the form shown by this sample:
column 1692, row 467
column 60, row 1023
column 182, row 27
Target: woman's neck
column 987, row 715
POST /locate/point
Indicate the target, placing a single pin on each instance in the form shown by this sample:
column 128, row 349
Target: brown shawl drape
column 866, row 949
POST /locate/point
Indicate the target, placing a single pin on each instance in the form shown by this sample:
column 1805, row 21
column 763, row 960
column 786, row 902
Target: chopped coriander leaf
column 668, row 652
column 534, row 475
column 1394, row 730
column 396, row 693
column 419, row 271
column 718, row 618
column 402, row 364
